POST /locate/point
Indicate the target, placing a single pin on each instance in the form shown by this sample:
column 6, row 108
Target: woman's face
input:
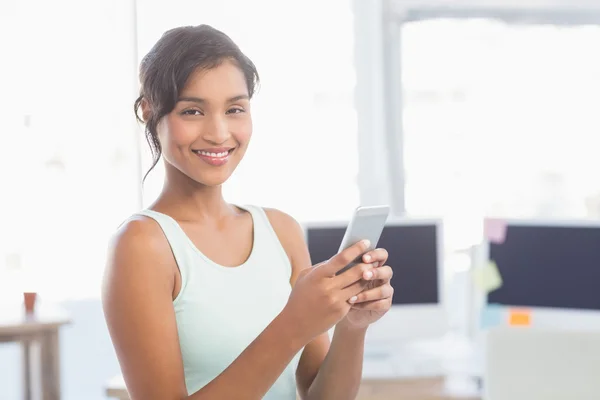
column 207, row 133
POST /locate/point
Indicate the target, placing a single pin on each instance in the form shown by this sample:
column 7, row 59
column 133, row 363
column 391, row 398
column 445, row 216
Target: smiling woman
column 193, row 113
column 210, row 300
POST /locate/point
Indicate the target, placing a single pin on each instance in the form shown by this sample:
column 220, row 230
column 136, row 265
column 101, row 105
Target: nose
column 218, row 130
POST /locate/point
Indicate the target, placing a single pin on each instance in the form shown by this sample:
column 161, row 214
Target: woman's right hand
column 320, row 298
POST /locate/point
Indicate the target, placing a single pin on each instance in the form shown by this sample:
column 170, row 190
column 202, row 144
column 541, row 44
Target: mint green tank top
column 221, row 310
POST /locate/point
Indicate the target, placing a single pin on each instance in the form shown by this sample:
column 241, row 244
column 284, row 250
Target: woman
column 209, row 300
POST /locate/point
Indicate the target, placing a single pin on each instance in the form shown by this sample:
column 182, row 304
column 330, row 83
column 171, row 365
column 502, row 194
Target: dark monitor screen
column 548, row 266
column 413, row 254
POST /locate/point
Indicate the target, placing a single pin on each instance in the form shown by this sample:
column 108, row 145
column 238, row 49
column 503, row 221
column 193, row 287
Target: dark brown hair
column 165, row 70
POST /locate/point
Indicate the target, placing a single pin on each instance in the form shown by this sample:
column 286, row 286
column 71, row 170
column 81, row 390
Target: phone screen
column 367, row 223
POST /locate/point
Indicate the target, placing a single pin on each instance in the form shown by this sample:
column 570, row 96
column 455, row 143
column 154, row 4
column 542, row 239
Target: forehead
column 225, row 80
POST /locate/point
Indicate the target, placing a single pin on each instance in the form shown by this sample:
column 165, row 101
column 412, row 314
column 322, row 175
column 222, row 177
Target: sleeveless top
column 221, row 310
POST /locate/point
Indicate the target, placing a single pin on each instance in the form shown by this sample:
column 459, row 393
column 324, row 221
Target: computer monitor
column 415, row 254
column 552, row 269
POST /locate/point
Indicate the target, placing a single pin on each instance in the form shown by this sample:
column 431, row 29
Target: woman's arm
column 138, row 290
column 137, row 300
column 340, row 375
column 325, row 371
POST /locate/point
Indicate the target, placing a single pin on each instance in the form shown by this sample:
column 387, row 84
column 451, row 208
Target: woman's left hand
column 376, row 299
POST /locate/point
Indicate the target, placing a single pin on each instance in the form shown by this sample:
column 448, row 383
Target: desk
column 432, row 388
column 441, row 369
column 421, row 388
column 43, row 329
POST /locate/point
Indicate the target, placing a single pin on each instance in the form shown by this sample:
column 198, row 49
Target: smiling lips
column 215, row 156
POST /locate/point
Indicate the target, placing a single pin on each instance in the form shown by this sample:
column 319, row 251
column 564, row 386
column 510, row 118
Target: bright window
column 500, row 119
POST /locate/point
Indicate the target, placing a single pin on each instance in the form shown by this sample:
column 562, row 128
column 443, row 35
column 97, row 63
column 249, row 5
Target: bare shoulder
column 283, row 222
column 288, row 230
column 291, row 236
column 139, row 237
column 139, row 247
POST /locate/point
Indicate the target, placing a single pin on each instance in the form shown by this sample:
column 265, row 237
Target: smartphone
column 366, row 223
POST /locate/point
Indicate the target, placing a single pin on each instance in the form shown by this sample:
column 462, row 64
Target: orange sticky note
column 519, row 318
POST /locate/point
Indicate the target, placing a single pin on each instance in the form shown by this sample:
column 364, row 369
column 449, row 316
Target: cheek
column 176, row 134
column 242, row 130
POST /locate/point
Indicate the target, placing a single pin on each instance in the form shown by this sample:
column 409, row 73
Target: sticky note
column 487, row 278
column 494, row 230
column 519, row 317
column 492, row 315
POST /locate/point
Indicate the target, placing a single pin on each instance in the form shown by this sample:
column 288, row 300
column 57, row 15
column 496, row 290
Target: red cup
column 30, row 299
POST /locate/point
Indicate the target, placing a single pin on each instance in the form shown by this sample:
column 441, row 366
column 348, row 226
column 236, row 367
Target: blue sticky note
column 492, row 315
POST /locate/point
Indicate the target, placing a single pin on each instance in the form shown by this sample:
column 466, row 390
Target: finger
column 379, row 293
column 384, row 274
column 376, row 305
column 343, row 258
column 354, row 274
column 379, row 256
column 352, row 292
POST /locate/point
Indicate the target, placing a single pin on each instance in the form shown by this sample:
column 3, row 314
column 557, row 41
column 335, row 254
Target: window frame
column 378, row 27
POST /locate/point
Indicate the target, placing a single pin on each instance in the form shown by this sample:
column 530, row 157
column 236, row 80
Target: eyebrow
column 202, row 101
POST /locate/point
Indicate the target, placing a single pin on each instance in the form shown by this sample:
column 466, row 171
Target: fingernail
column 367, row 243
column 368, row 274
column 353, row 299
column 367, row 258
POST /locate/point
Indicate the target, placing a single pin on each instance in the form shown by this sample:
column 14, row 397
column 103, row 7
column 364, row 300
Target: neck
column 187, row 199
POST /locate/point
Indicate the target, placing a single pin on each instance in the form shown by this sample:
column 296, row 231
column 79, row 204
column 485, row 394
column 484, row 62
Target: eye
column 191, row 112
column 235, row 110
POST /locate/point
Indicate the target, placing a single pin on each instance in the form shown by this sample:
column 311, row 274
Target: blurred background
column 447, row 110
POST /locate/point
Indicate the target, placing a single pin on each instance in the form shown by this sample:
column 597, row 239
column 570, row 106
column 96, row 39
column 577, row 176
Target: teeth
column 215, row 155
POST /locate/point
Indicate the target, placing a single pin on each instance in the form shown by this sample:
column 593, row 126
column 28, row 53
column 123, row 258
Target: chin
column 211, row 180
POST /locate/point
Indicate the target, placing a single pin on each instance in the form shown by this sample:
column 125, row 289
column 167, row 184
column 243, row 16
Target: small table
column 43, row 328
column 115, row 388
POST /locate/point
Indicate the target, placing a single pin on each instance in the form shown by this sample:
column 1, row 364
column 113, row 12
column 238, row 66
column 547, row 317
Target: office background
column 453, row 110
